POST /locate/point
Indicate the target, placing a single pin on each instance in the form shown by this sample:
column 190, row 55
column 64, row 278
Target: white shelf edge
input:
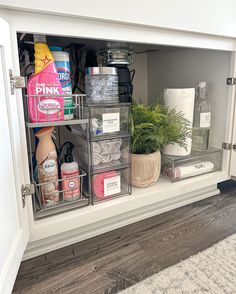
column 157, row 194
column 57, row 123
column 86, row 232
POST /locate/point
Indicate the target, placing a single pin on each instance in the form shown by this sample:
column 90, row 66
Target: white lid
column 61, row 56
column 202, row 84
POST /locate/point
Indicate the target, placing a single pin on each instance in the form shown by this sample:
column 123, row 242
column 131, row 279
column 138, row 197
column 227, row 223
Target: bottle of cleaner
column 69, row 173
column 201, row 119
column 62, row 62
column 46, row 157
column 43, row 85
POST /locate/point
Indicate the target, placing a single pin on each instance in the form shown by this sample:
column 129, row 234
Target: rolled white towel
column 96, row 148
column 117, row 143
column 96, row 159
column 117, row 150
column 106, row 146
column 116, row 156
column 106, row 157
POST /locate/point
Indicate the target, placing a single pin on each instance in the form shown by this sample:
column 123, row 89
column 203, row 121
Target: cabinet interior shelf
column 56, row 123
column 103, row 137
column 54, row 210
column 107, row 104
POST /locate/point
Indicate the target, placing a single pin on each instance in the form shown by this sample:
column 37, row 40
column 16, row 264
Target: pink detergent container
column 98, row 183
column 44, row 88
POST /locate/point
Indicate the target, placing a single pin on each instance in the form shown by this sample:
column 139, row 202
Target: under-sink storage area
column 93, row 127
column 76, row 137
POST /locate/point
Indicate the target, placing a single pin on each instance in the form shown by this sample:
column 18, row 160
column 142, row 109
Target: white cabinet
column 14, row 228
column 180, row 59
column 187, row 15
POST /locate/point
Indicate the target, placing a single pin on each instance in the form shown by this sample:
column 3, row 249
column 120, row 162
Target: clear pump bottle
column 201, row 119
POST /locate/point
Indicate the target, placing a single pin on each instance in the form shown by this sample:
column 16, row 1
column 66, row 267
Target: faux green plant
column 155, row 126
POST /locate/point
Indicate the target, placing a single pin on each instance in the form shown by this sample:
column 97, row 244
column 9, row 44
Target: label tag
column 205, row 119
column 111, row 122
column 49, row 165
column 112, row 186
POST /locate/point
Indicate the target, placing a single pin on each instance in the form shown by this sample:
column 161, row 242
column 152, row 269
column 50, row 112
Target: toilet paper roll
column 180, row 100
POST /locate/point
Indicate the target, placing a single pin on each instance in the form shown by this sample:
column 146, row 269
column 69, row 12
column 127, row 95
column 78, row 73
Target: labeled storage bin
column 105, row 154
column 110, row 184
column 197, row 163
column 105, row 120
column 61, row 199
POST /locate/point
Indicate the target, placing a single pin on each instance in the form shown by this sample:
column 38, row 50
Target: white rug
column 212, row 271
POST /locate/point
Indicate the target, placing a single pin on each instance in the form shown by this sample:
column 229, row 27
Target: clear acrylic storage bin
column 197, row 163
column 101, row 85
column 61, row 199
column 110, row 184
column 105, row 120
column 105, row 154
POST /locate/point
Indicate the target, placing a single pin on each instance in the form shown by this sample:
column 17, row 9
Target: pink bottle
column 70, row 174
column 44, row 82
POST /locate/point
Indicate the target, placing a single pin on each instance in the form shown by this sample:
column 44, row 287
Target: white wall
column 140, row 93
column 206, row 16
column 183, row 68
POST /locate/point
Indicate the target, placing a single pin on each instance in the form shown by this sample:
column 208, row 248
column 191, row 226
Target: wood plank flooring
column 113, row 261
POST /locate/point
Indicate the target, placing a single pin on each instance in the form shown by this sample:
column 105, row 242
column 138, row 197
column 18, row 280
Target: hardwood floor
column 113, row 261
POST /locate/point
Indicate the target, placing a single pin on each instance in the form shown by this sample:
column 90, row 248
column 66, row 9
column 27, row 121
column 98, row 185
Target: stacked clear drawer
column 103, row 150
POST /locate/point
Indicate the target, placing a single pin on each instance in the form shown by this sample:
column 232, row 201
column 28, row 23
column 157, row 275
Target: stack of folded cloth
column 106, row 151
column 102, row 152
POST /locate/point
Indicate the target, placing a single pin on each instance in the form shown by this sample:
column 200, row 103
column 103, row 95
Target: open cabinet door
column 232, row 91
column 14, row 230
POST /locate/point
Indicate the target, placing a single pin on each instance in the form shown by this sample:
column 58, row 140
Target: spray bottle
column 46, row 156
column 69, row 173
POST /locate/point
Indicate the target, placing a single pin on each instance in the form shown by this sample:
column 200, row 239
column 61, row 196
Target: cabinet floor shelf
column 163, row 190
column 78, row 225
column 62, row 208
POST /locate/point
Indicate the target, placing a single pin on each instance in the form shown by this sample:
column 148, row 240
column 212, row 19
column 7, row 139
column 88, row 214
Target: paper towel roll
column 180, row 100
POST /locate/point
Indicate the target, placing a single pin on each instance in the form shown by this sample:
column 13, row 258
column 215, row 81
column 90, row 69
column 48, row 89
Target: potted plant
column 152, row 128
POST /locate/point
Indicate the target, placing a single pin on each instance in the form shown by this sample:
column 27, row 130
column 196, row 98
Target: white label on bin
column 111, row 122
column 112, row 186
column 205, row 119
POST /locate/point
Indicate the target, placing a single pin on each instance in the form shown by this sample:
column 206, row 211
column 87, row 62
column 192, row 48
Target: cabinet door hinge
column 227, row 146
column 26, row 190
column 231, row 81
column 16, row 82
